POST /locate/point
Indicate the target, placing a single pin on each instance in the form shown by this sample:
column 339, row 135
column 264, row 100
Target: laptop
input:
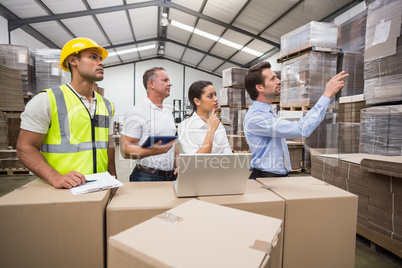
column 212, row 174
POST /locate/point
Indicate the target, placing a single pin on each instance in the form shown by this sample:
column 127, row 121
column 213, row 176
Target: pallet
column 379, row 239
column 14, row 171
column 295, row 108
column 296, row 171
column 307, row 50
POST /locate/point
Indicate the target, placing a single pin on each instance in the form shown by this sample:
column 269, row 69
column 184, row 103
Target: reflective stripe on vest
column 85, row 150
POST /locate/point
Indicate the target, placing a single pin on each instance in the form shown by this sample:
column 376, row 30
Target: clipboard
column 151, row 140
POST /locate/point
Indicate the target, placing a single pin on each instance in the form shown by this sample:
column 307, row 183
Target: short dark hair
column 150, row 75
column 196, row 90
column 254, row 77
column 76, row 54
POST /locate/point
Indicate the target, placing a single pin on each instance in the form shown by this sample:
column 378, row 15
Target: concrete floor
column 365, row 256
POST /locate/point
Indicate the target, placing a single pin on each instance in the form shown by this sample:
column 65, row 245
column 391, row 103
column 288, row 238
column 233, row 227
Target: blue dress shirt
column 265, row 134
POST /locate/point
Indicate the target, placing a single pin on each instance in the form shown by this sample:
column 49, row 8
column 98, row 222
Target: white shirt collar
column 197, row 121
column 79, row 95
column 151, row 104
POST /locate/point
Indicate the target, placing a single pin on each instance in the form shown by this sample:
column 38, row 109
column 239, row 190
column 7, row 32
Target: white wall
column 3, row 31
column 20, row 37
column 123, row 84
column 350, row 13
column 275, row 66
column 119, row 88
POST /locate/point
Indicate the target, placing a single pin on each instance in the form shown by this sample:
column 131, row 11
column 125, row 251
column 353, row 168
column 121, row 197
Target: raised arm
column 213, row 124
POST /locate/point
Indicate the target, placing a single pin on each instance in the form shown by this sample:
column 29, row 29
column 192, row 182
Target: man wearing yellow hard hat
column 66, row 132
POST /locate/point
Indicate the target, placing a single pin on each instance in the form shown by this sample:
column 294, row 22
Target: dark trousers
column 137, row 175
column 256, row 173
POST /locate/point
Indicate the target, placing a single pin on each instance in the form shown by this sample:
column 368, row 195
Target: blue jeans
column 143, row 176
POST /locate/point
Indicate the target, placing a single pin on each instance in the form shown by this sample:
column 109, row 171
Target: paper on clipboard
column 103, row 181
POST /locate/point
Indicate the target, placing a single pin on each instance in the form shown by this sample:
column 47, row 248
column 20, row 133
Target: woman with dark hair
column 203, row 131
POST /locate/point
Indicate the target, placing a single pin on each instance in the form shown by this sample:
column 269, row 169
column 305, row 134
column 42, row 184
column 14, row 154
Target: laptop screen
column 212, row 174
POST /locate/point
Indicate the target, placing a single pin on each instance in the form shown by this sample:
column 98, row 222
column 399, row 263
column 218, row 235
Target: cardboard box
column 259, row 200
column 137, row 202
column 41, row 226
column 233, row 77
column 197, row 234
column 320, row 222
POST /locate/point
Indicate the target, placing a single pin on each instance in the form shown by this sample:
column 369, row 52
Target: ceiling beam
column 269, row 53
column 48, row 11
column 130, row 24
column 6, row 13
column 343, row 9
column 88, row 7
column 26, row 28
column 19, row 22
column 231, row 23
column 204, row 3
column 221, row 23
column 159, row 39
column 263, row 57
column 161, row 58
column 16, row 23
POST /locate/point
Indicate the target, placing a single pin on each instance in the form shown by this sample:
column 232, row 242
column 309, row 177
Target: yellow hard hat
column 76, row 45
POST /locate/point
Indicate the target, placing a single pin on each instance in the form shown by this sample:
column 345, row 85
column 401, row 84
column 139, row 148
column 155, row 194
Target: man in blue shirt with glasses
column 266, row 133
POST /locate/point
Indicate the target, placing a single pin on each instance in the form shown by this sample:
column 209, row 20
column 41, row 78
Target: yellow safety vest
column 74, row 140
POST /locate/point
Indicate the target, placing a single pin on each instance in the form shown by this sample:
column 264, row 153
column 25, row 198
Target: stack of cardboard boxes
column 234, row 101
column 23, row 59
column 275, row 223
column 349, row 123
column 383, row 53
column 304, row 76
column 318, row 34
column 385, row 196
column 12, row 87
column 351, row 39
column 380, row 132
column 3, row 131
column 376, row 180
column 11, row 94
column 48, row 71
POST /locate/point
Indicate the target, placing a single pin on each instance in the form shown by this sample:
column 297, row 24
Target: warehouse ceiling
column 209, row 35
